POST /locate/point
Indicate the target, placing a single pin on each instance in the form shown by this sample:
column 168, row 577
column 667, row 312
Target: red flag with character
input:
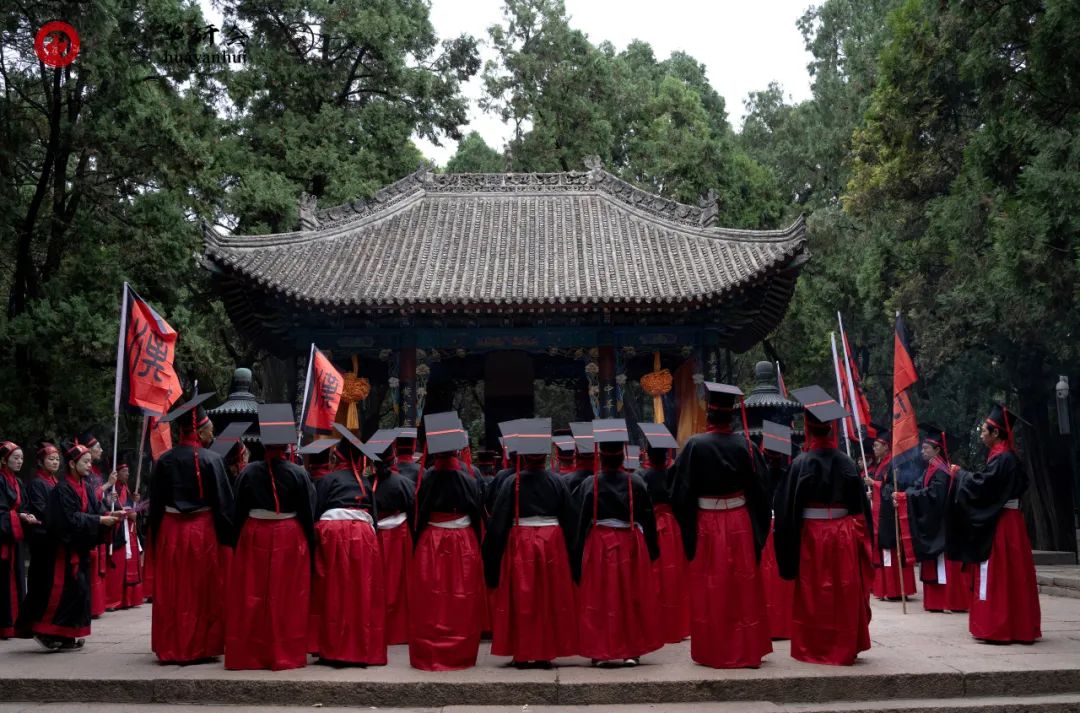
column 323, row 390
column 150, row 348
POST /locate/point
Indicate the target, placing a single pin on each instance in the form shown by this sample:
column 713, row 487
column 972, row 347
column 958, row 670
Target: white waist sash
column 174, row 511
column 824, row 513
column 721, row 503
column 458, row 524
column 347, row 514
column 389, row 523
column 538, row 521
column 1013, row 504
column 617, row 524
column 260, row 514
column 942, row 576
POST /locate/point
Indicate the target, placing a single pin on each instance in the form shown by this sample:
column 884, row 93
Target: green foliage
column 473, row 155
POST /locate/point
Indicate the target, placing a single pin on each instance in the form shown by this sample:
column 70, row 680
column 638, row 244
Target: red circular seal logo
column 57, row 44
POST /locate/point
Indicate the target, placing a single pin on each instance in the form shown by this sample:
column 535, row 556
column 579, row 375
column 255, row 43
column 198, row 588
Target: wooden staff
column 899, row 544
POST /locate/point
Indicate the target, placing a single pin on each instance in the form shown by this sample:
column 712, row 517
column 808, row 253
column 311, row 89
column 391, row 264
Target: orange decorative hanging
column 657, row 383
column 356, row 389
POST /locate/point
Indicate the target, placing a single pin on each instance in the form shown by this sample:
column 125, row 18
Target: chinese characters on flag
column 324, row 393
column 150, row 348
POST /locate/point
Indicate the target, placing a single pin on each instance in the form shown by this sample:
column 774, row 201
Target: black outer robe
column 39, row 575
column 490, row 489
column 576, row 478
column 73, row 532
column 614, row 503
column 542, row 494
column 393, row 493
column 12, row 548
column 718, row 465
column 295, row 493
column 976, row 503
column 339, row 489
column 410, row 470
column 173, row 484
column 448, row 491
column 926, row 513
column 827, row 477
column 658, row 483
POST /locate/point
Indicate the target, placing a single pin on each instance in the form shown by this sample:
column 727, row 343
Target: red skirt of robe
column 887, row 579
column 123, row 580
column 98, row 568
column 349, row 593
column 534, row 617
column 955, row 594
column 268, row 597
column 396, row 548
column 617, row 598
column 779, row 593
column 148, row 571
column 669, row 572
column 1005, row 598
column 830, row 622
column 728, row 624
column 446, row 599
column 188, row 616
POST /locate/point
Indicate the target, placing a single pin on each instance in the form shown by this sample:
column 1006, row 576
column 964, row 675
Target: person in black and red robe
column 123, row 578
column 584, row 458
column 348, row 591
column 269, row 590
column 566, row 450
column 98, row 557
column 510, row 464
column 405, row 460
column 670, row 570
column 527, row 558
column 719, row 500
column 395, row 497
column 615, row 545
column 446, row 584
column 946, row 586
column 823, row 535
column 190, row 502
column 76, row 526
column 891, row 565
column 984, row 528
column 14, row 521
column 37, row 537
column 779, row 592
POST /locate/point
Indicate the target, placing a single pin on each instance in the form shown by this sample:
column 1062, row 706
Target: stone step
column 1053, row 557
column 1003, row 704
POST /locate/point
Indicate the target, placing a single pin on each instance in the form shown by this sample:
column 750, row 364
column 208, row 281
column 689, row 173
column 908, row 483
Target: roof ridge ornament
column 596, row 168
column 307, row 206
column 710, row 209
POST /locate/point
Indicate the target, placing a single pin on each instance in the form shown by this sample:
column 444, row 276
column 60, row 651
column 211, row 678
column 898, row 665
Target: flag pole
column 138, row 465
column 119, row 371
column 851, row 393
column 896, row 517
column 303, row 402
column 839, row 389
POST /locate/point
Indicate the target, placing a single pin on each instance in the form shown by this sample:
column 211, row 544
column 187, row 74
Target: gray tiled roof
column 457, row 241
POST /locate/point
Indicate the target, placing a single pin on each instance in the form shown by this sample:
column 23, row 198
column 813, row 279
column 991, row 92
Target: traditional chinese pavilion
column 442, row 281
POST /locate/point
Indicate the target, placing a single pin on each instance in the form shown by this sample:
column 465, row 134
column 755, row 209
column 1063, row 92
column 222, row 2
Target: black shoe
column 48, row 642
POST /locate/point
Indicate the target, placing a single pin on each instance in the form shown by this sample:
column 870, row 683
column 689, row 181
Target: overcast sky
column 744, row 45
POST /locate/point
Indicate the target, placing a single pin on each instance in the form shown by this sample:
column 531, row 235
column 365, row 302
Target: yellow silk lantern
column 355, row 390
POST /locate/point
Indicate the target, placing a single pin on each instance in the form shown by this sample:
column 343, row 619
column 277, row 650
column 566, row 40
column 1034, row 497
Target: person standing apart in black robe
column 190, row 502
column 37, row 537
column 395, row 496
column 718, row 497
column 945, row 583
column 823, row 536
column 527, row 558
column 446, row 584
column 15, row 521
column 615, row 545
column 269, row 591
column 76, row 525
column 985, row 529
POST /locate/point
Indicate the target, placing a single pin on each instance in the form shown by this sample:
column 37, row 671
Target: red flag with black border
column 324, row 388
column 151, row 382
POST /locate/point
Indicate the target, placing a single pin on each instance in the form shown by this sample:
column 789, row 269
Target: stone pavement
column 921, row 656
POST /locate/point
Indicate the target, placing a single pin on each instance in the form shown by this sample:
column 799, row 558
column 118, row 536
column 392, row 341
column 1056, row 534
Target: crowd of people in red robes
column 266, row 553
